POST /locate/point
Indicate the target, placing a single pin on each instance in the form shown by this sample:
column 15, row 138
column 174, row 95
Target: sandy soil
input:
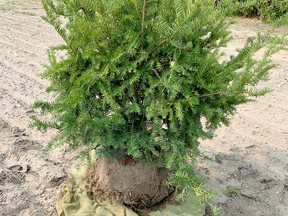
column 29, row 176
column 251, row 155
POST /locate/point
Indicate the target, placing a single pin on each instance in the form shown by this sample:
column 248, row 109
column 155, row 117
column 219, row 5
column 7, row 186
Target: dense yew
column 145, row 79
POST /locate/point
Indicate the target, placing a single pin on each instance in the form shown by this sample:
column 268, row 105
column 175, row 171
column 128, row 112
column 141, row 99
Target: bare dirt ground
column 250, row 157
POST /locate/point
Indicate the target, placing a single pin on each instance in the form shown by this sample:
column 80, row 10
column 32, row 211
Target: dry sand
column 251, row 155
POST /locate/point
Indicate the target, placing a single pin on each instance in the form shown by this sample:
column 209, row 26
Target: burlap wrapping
column 74, row 201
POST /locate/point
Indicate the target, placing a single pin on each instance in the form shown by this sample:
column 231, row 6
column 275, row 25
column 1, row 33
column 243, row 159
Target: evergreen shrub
column 139, row 76
column 267, row 10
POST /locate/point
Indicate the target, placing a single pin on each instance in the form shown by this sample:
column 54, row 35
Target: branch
column 154, row 18
column 158, row 45
column 114, row 21
column 216, row 93
column 143, row 18
column 162, row 42
column 156, row 73
column 105, row 23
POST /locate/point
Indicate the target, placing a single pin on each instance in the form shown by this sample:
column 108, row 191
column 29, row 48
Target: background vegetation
column 273, row 11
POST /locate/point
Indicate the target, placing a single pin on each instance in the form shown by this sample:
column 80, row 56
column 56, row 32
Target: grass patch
column 231, row 192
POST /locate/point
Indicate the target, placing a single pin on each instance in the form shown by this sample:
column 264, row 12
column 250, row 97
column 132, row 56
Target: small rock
column 56, row 180
column 29, row 111
column 20, row 168
column 244, row 172
column 218, row 159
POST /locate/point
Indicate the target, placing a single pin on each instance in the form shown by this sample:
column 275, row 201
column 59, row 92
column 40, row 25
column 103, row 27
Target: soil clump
column 137, row 185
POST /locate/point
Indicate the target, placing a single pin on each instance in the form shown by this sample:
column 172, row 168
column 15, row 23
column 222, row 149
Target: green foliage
column 240, row 7
column 267, row 10
column 232, row 192
column 138, row 77
column 273, row 10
